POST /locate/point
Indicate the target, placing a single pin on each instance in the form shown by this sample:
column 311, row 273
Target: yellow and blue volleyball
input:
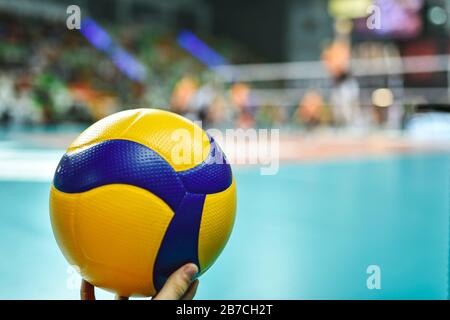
column 137, row 195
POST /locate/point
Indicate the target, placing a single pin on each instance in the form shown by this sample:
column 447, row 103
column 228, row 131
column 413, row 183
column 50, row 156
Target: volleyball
column 137, row 195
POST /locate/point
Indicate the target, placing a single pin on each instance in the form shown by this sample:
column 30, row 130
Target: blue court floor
column 309, row 232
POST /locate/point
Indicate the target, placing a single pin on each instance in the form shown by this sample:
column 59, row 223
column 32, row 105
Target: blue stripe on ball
column 119, row 161
column 211, row 176
column 180, row 243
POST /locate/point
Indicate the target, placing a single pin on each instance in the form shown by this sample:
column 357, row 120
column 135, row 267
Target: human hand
column 179, row 286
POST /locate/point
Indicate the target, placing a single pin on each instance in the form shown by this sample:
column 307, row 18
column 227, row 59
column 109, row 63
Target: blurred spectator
column 217, row 111
column 270, row 115
column 240, row 99
column 183, row 95
column 344, row 99
column 311, row 110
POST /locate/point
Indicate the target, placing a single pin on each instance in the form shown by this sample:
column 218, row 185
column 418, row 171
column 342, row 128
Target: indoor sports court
column 350, row 114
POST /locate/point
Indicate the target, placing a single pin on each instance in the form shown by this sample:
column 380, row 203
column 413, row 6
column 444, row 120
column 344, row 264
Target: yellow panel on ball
column 159, row 130
column 216, row 225
column 129, row 220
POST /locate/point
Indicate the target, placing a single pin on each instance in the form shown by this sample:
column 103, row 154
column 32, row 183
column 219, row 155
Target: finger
column 178, row 283
column 189, row 295
column 87, row 291
column 121, row 297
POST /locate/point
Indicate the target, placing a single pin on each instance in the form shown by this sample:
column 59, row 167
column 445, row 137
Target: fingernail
column 190, row 270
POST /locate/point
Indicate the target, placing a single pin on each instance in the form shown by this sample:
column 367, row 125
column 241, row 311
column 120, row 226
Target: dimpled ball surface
column 137, row 195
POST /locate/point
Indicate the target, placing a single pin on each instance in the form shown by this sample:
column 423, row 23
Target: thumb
column 178, row 283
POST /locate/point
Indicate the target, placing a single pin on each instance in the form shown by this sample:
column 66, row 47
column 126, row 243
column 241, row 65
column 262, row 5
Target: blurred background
column 359, row 89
